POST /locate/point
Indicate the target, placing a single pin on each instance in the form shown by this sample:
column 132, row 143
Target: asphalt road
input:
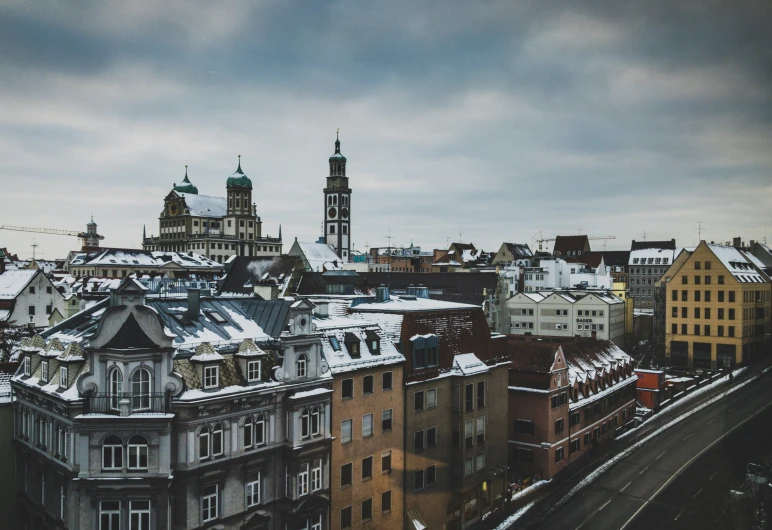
column 681, row 478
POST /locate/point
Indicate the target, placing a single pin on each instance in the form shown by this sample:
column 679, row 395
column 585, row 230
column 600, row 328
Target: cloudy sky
column 481, row 121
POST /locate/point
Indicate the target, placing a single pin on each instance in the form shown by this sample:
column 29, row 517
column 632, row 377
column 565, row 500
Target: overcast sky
column 479, row 121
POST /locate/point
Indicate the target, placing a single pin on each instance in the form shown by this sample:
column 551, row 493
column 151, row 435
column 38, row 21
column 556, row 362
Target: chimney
column 322, row 309
column 736, row 242
column 194, row 304
column 382, row 294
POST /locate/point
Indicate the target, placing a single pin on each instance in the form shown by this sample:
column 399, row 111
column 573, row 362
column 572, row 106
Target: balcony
column 125, row 404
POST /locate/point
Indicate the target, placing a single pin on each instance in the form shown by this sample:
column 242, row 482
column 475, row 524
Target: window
column 217, row 440
column 684, row 279
column 684, row 312
column 431, row 475
column 347, row 388
column 480, row 394
column 386, row 501
column 731, row 314
column 367, row 468
column 706, row 331
column 696, row 312
column 696, row 329
column 386, row 462
column 707, row 312
column 697, row 295
column 209, row 503
column 253, row 371
column 303, row 480
column 574, row 447
column 62, row 503
column 559, row 453
column 49, row 309
column 387, row 380
column 44, row 370
column 112, row 453
column 468, row 466
column 27, row 369
column 731, row 331
column 480, row 465
column 345, row 431
column 480, row 430
column 301, row 365
column 367, row 509
column 418, row 480
column 674, row 329
column 139, row 515
column 721, row 331
column 63, row 376
column 386, row 420
column 707, row 296
column 315, row 424
column 524, row 427
column 211, row 376
column 367, row 425
column 32, row 289
column 469, row 397
column 305, row 423
column 684, row 329
column 684, row 296
column 418, row 399
column 697, row 265
column 674, row 296
column 431, row 398
column 137, row 452
column 115, row 387
column 697, row 279
column 253, row 492
column 721, row 280
column 110, row 515
column 731, row 296
column 469, row 434
column 346, row 474
column 418, row 440
column 249, row 433
column 559, row 426
column 140, row 389
column 721, row 296
column 316, row 476
column 707, row 280
column 260, row 425
column 345, row 517
column 367, row 385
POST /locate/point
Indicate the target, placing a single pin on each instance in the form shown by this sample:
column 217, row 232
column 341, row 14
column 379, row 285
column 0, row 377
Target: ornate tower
column 337, row 206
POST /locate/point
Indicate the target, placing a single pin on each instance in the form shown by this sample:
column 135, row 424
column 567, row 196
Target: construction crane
column 604, row 238
column 89, row 238
column 541, row 239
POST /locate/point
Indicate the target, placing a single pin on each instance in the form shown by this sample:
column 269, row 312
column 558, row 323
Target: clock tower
column 337, row 206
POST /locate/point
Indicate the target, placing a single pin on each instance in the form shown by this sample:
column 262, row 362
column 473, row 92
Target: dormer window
column 27, row 364
column 352, row 344
column 373, row 342
column 253, row 371
column 334, row 343
column 211, row 377
column 301, row 365
column 63, row 377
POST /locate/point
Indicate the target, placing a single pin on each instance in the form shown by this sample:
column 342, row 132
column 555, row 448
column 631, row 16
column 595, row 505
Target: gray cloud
column 494, row 119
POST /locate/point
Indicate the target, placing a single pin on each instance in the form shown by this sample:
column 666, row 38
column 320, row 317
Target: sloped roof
column 12, row 283
column 565, row 243
column 244, row 272
column 205, row 205
column 640, row 245
column 745, row 267
column 519, row 250
column 612, row 258
column 319, row 256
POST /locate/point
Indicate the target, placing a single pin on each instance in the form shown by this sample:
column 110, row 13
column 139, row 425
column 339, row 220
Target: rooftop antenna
column 388, row 273
column 34, row 246
column 699, row 230
column 644, row 235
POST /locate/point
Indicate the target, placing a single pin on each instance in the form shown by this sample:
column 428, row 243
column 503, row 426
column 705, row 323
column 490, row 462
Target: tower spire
column 337, row 141
column 239, row 168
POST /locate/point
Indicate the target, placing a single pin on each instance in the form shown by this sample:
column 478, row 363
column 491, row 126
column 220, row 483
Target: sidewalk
column 563, row 483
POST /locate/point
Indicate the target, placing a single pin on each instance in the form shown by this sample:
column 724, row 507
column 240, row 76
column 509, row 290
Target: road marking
column 713, row 475
column 660, row 456
column 626, row 485
column 644, row 469
column 679, row 515
column 698, row 492
column 607, row 503
column 688, row 463
column 711, row 421
column 687, row 437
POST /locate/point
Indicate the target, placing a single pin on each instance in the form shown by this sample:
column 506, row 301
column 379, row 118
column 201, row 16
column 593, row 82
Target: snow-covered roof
column 143, row 258
column 468, row 364
column 336, row 331
column 320, row 256
column 12, row 283
column 405, row 304
column 742, row 265
column 205, row 205
column 651, row 256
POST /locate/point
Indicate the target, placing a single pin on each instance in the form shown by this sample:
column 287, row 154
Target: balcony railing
column 126, row 403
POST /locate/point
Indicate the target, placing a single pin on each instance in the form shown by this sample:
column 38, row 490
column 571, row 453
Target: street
column 681, row 478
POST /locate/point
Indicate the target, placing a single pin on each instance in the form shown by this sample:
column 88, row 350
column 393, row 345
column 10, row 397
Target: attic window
column 217, row 317
column 373, row 342
column 211, row 376
column 352, row 344
column 334, row 343
column 635, row 261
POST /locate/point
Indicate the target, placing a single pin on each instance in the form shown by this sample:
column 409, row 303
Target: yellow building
column 717, row 309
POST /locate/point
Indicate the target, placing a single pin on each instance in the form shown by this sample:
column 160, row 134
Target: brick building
column 565, row 396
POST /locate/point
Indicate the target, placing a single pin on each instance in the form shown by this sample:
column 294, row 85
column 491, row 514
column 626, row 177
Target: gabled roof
column 563, row 244
column 519, row 250
column 320, row 257
column 205, row 205
column 243, row 273
column 745, row 267
column 12, row 283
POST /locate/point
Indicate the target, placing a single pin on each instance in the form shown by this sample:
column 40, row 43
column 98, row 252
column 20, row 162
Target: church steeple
column 337, row 197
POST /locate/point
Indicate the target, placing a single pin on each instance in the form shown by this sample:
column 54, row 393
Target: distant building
column 268, row 277
column 718, row 309
column 316, row 257
column 176, row 413
column 571, row 246
column 565, row 397
column 643, row 245
column 122, row 262
column 512, row 253
column 645, row 267
column 27, row 296
column 337, row 206
column 215, row 227
column 463, row 257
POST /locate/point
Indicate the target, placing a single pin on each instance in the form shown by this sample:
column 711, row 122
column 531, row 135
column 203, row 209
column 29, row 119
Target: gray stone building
column 645, row 267
column 183, row 413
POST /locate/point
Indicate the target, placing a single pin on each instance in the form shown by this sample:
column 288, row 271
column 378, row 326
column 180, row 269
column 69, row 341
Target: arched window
column 203, row 443
column 140, row 389
column 260, row 425
column 138, row 452
column 335, row 200
column 304, row 423
column 302, row 365
column 112, row 453
column 115, row 387
column 315, row 415
column 217, row 440
column 329, row 200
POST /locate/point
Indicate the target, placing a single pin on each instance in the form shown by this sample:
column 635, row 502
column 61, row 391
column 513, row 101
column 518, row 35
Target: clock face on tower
column 332, row 213
column 344, row 213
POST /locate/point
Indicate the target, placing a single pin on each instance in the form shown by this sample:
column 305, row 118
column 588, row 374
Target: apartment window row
column 346, row 514
column 698, row 296
column 366, row 467
column 424, row 438
column 368, row 385
column 46, row 434
column 112, row 512
column 590, row 313
column 702, row 330
column 347, row 425
column 425, row 399
column 474, row 433
column 424, row 478
column 120, row 456
column 590, row 327
column 523, row 325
